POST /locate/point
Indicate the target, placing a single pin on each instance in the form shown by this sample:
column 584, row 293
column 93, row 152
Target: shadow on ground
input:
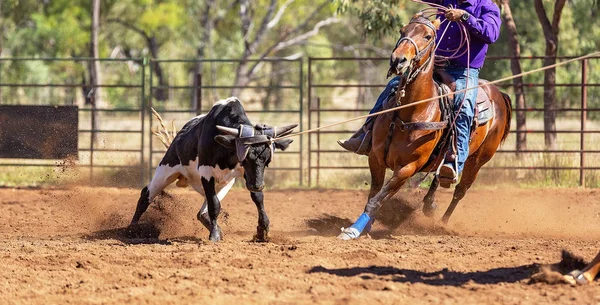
column 443, row 277
column 142, row 233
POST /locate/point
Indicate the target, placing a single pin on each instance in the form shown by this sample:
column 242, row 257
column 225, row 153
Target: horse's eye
column 428, row 37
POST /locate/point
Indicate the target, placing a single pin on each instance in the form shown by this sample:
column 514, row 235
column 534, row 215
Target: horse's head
column 415, row 46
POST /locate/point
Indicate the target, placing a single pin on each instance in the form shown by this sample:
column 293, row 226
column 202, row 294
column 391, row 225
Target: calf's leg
column 262, row 230
column 162, row 178
column 214, row 208
column 203, row 213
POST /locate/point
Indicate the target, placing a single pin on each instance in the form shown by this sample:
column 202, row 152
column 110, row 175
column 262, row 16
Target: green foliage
column 379, row 17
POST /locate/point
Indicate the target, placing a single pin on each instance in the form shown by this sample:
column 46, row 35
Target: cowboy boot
column 447, row 172
column 360, row 141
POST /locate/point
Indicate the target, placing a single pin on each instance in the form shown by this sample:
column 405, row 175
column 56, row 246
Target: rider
column 482, row 20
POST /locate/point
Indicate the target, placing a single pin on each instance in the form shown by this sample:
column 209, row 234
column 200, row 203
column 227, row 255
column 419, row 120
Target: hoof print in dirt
column 142, row 230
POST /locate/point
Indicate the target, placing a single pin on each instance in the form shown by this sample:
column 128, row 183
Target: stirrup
column 444, row 177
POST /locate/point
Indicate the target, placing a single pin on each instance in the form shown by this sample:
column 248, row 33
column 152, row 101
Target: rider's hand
column 454, row 14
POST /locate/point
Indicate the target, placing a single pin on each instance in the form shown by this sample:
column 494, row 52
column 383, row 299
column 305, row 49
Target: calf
column 209, row 152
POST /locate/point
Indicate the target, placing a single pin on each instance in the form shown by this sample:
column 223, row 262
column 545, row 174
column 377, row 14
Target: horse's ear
column 403, row 30
column 436, row 23
column 419, row 14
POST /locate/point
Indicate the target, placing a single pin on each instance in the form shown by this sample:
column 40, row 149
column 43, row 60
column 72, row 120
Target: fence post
column 300, row 82
column 318, row 139
column 0, row 82
column 150, row 97
column 583, row 122
column 198, row 82
column 143, row 116
column 309, row 89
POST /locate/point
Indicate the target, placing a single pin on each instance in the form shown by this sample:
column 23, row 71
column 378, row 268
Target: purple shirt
column 483, row 25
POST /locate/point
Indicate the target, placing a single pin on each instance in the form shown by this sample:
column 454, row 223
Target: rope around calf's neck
column 362, row 117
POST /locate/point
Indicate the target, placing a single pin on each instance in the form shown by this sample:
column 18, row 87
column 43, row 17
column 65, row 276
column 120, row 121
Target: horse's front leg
column 374, row 203
column 262, row 230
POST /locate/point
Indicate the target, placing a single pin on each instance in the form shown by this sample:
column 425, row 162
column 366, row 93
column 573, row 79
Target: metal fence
column 204, row 89
column 329, row 102
column 127, row 144
column 62, row 84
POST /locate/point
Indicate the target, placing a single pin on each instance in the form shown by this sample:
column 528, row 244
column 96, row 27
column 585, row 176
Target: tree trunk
column 551, row 31
column 515, row 66
column 205, row 41
column 94, row 66
column 160, row 94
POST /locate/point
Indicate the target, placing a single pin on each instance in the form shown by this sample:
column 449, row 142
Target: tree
column 255, row 44
column 515, row 65
column 551, row 30
column 156, row 24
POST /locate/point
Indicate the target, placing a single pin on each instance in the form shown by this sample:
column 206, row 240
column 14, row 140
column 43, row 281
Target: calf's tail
column 165, row 135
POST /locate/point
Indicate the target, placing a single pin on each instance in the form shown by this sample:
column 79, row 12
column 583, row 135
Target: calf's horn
column 228, row 130
column 284, row 130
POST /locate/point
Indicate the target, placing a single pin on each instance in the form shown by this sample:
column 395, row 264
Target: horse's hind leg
column 470, row 172
column 428, row 202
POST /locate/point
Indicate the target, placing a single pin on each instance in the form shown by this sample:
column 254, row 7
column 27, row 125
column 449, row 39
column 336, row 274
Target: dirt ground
column 69, row 247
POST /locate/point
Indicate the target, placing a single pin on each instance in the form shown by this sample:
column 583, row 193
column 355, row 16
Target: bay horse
column 404, row 140
column 587, row 275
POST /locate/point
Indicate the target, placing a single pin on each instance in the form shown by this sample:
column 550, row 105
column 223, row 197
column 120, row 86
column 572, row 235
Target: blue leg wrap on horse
column 364, row 221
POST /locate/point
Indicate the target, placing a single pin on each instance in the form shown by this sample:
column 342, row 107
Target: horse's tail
column 508, row 104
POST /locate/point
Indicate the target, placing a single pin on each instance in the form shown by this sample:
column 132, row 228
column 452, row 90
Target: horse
column 404, row 140
column 585, row 276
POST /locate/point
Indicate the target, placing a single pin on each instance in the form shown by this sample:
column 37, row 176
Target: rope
column 362, row 117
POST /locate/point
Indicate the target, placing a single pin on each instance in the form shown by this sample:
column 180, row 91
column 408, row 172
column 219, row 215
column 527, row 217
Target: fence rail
column 317, row 109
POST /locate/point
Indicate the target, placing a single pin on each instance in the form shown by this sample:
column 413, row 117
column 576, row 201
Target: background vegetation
column 251, row 30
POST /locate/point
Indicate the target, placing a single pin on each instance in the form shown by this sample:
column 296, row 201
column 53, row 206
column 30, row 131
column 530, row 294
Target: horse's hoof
column 429, row 210
column 349, row 233
column 576, row 277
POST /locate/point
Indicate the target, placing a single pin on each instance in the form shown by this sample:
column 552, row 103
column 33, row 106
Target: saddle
column 484, row 111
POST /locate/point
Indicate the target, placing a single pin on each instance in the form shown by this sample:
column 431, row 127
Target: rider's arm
column 487, row 26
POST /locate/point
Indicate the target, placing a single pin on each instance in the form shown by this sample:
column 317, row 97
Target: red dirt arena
column 67, row 246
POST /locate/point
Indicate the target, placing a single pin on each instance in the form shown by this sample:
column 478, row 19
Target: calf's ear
column 283, row 143
column 225, row 140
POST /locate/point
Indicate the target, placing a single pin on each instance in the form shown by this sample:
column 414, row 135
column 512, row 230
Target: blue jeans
column 464, row 121
column 389, row 90
column 465, row 115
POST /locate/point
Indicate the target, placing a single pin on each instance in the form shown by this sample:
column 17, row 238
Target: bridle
column 412, row 73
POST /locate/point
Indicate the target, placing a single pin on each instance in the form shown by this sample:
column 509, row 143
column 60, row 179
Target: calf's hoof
column 262, row 235
column 204, row 220
column 215, row 235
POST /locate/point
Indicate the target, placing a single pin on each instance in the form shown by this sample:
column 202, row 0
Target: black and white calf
column 209, row 152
